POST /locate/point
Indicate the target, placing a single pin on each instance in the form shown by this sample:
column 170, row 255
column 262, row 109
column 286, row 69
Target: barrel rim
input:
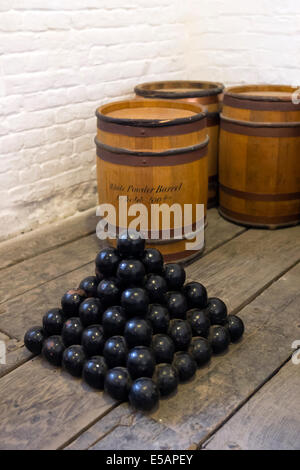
column 233, row 92
column 139, row 153
column 213, row 88
column 152, row 122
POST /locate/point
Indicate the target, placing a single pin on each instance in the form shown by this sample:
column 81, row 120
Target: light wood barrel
column 153, row 152
column 207, row 94
column 259, row 156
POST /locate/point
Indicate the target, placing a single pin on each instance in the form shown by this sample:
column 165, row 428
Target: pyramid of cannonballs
column 135, row 329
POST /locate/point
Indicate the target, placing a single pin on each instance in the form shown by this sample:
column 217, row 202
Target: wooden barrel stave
column 259, row 169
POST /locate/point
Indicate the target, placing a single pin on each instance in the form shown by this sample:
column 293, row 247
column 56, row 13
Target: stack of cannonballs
column 135, row 329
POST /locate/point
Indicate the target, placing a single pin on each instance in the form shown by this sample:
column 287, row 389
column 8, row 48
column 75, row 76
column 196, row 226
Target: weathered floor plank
column 38, row 270
column 123, row 417
column 43, row 268
column 219, row 389
column 247, row 264
column 14, row 358
column 270, row 420
column 16, row 315
column 46, row 238
column 46, row 407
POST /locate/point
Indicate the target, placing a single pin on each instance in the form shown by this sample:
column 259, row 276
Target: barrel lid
column 150, row 113
column 178, row 89
column 262, row 92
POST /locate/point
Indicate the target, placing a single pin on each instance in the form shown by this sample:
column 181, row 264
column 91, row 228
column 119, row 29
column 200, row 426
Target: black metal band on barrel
column 212, row 119
column 259, row 196
column 141, row 130
column 261, row 129
column 178, row 156
column 197, row 89
column 256, row 219
column 254, row 103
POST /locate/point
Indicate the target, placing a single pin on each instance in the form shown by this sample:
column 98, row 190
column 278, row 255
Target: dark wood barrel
column 153, row 152
column 259, row 156
column 207, row 94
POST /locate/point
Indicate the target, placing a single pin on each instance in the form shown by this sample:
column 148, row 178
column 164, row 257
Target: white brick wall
column 60, row 59
column 245, row 41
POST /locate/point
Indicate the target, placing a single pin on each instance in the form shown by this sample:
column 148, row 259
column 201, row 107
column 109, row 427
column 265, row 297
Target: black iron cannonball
column 115, row 351
column 53, row 349
column 144, row 394
column 72, row 331
column 217, row 311
column 117, row 383
column 199, row 321
column 94, row 372
column 156, row 288
column 131, row 272
column 140, row 362
column 34, row 339
column 89, row 285
column 130, row 245
column 219, row 338
column 71, row 301
column 163, row 348
column 113, row 321
column 185, row 365
column 73, row 360
column 138, row 332
column 176, row 304
column 235, row 327
column 181, row 334
column 153, row 261
column 174, row 275
column 93, row 340
column 107, row 261
column 166, row 379
column 200, row 350
column 108, row 292
column 159, row 318
column 135, row 301
column 196, row 295
column 90, row 311
column 53, row 321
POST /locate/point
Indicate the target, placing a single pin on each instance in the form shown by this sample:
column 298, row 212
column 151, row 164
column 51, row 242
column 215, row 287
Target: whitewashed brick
column 83, row 143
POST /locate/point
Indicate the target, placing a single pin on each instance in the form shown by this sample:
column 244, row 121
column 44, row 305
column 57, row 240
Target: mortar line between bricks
column 206, row 440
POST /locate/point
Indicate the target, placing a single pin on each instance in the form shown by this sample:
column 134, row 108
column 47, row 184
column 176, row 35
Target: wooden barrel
column 207, row 94
column 259, row 156
column 153, row 152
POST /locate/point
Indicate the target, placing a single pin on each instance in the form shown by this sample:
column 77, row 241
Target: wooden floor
column 247, row 398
